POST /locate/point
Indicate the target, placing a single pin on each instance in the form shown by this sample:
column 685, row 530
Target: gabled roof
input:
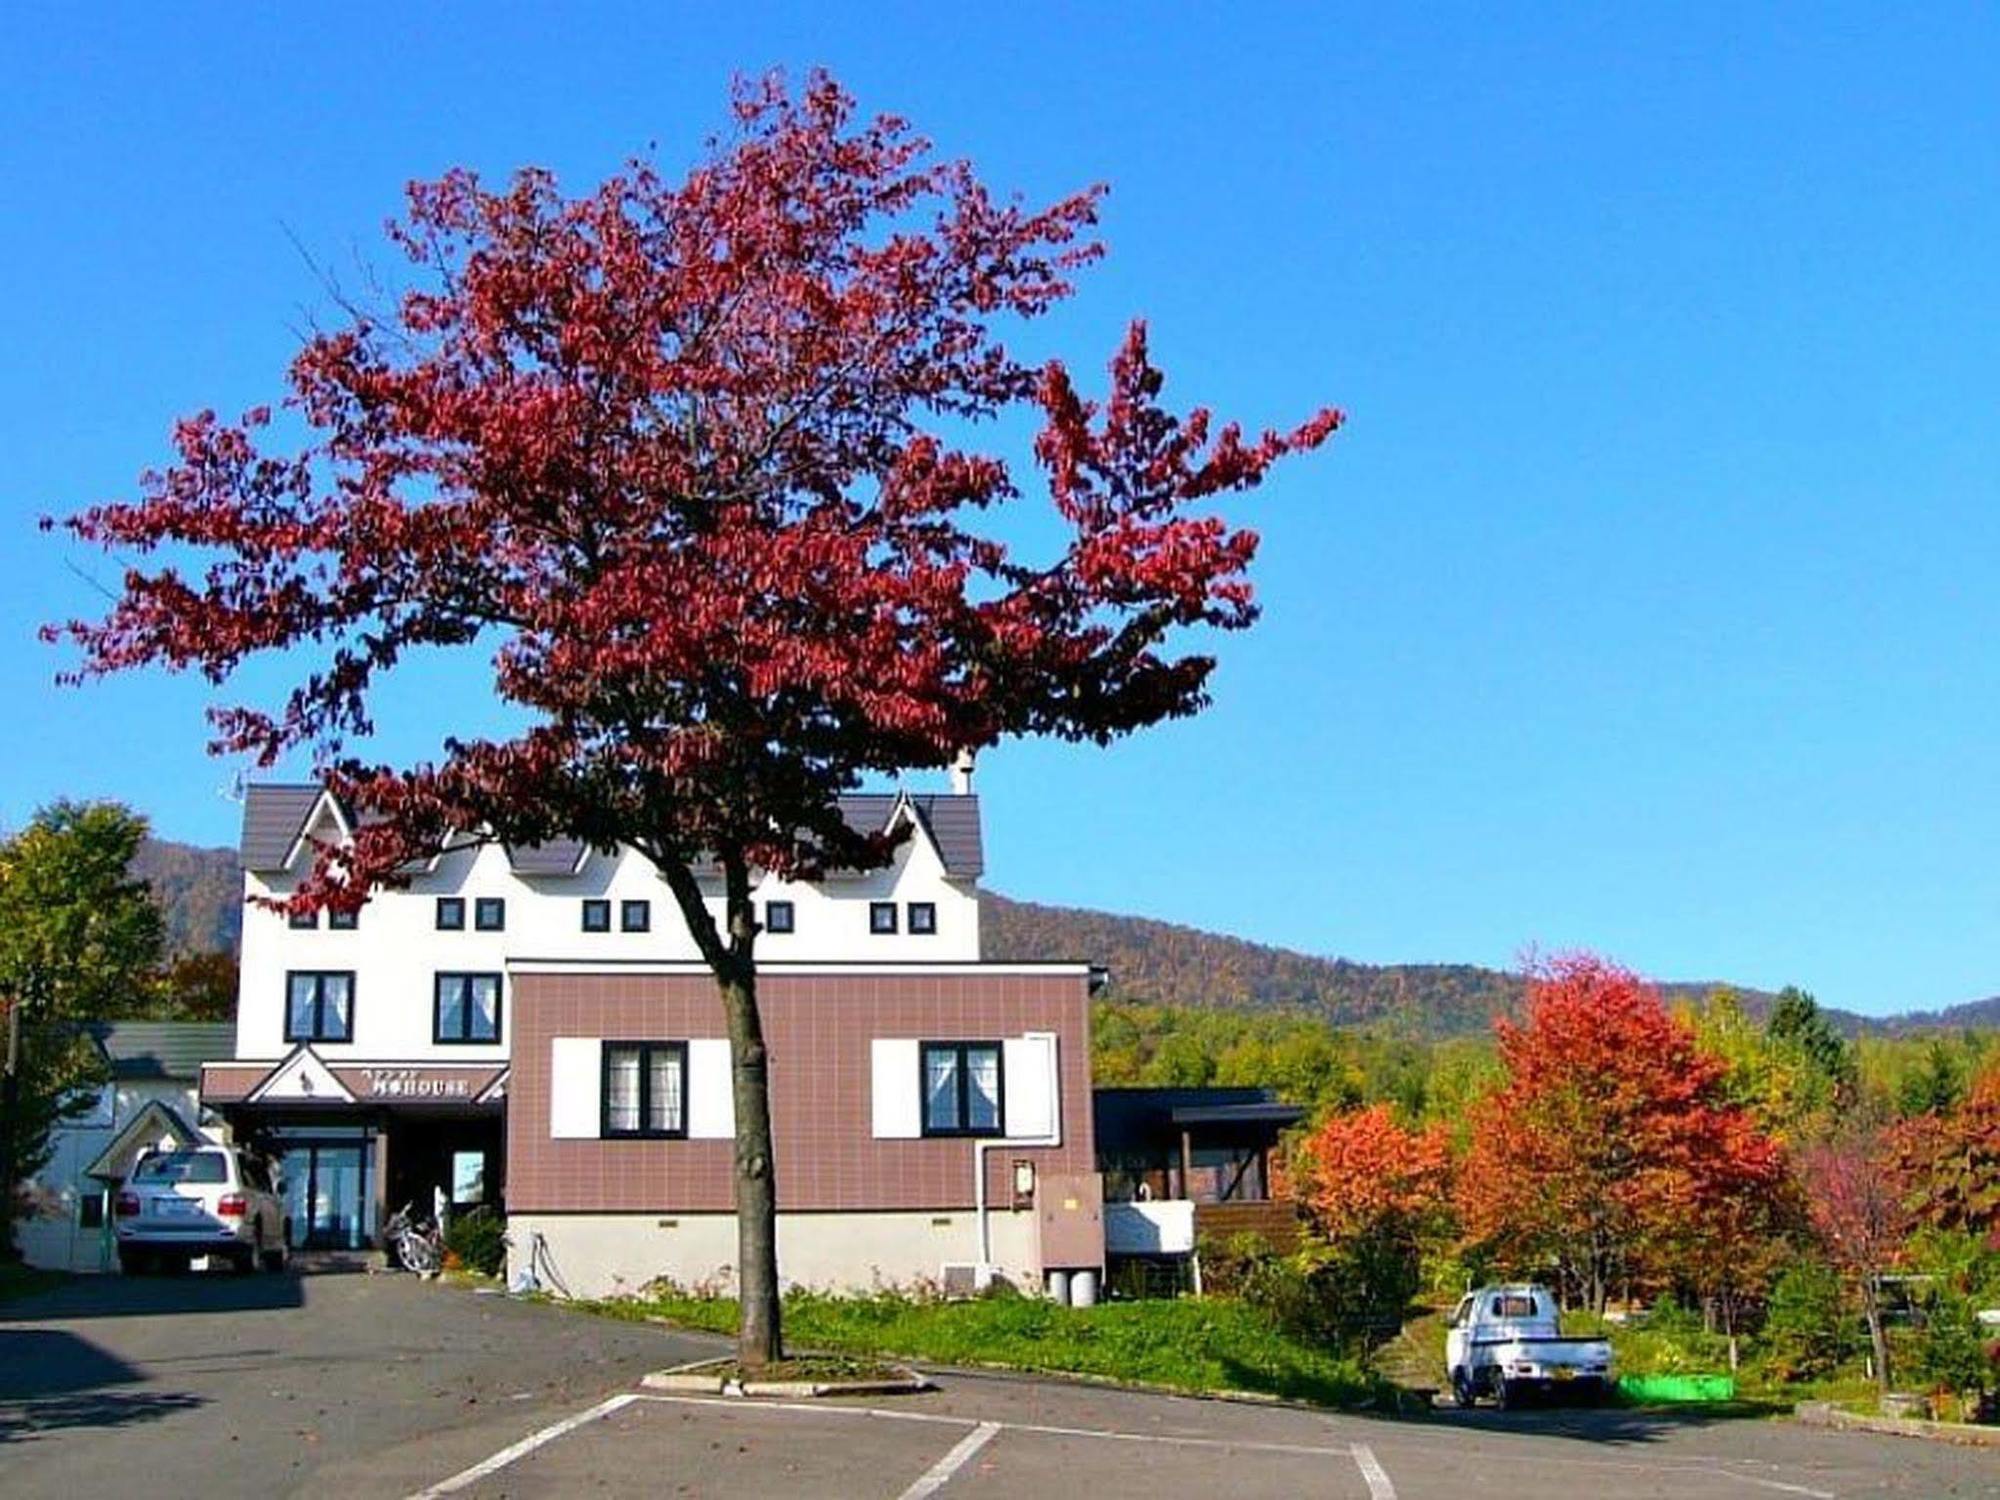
column 303, row 1078
column 952, row 822
column 152, row 1123
column 275, row 817
column 557, row 857
column 162, row 1049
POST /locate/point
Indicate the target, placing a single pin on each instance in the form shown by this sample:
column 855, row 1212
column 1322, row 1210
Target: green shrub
column 478, row 1238
column 1668, row 1340
column 1950, row 1349
column 1805, row 1323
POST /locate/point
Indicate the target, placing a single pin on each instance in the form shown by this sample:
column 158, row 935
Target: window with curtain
column 319, row 1006
column 962, row 1085
column 645, row 1089
column 468, row 1008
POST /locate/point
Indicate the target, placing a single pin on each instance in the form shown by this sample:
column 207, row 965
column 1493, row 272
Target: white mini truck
column 1505, row 1343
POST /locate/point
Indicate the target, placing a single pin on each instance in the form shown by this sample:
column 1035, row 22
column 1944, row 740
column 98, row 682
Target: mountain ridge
column 200, row 894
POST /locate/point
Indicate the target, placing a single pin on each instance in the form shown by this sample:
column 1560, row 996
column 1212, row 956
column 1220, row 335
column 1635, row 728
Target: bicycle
column 418, row 1246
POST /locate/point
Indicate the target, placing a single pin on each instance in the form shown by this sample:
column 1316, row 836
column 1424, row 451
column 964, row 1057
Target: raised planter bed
column 807, row 1375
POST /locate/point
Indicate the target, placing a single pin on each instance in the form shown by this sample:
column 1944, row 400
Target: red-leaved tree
column 1858, row 1212
column 1608, row 1135
column 685, row 460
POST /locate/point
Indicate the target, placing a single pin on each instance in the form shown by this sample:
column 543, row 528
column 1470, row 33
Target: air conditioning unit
column 967, row 1278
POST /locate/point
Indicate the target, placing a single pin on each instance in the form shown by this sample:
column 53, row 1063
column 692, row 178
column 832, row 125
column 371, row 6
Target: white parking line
column 527, row 1445
column 938, row 1475
column 982, row 1432
column 1372, row 1471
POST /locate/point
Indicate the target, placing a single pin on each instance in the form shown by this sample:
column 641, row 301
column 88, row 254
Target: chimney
column 961, row 774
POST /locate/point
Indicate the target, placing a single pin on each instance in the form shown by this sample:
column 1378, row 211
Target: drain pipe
column 980, row 1148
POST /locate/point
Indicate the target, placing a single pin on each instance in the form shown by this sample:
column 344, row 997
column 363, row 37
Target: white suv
column 204, row 1200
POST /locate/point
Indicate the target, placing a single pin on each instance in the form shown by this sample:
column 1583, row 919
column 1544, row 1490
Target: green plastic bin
column 1668, row 1388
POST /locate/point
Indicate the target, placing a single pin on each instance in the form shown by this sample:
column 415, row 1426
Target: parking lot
column 383, row 1386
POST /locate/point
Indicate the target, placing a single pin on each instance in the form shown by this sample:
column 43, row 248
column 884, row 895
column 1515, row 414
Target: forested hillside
column 200, row 891
column 1166, row 964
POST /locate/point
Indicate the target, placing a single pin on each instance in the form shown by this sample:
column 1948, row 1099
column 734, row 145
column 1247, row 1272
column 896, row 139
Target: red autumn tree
column 1363, row 1174
column 1858, row 1212
column 686, row 461
column 1610, row 1130
column 1948, row 1165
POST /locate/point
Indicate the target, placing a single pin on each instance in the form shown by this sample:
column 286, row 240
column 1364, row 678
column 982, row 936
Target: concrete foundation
column 609, row 1255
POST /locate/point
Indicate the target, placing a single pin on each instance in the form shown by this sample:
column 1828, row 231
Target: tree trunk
column 731, row 955
column 1871, row 1309
column 759, row 1339
column 10, row 1129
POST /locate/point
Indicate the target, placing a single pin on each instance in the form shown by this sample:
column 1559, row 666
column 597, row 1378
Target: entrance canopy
column 303, row 1080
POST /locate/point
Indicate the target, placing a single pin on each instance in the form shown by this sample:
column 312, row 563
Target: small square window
column 597, row 916
column 304, row 921
column 881, row 917
column 923, row 918
column 635, row 916
column 343, row 921
column 778, row 916
column 451, row 914
column 489, row 914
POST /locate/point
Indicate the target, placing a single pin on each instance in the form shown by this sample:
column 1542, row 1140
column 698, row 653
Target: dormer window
column 882, row 918
column 923, row 919
column 489, row 914
column 451, row 914
column 596, row 916
column 779, row 917
column 635, row 916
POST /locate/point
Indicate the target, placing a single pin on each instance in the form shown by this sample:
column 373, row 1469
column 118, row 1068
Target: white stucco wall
column 606, row 1255
column 396, row 951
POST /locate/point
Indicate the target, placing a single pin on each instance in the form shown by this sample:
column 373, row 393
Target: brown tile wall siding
column 818, row 1028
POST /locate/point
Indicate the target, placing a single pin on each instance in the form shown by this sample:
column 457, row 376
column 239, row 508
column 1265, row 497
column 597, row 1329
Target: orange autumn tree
column 1376, row 1193
column 1364, row 1174
column 1948, row 1164
column 1610, row 1150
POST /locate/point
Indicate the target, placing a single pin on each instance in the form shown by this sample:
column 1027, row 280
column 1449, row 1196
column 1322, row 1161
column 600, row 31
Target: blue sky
column 1647, row 604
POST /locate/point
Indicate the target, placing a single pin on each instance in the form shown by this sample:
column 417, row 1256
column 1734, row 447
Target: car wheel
column 133, row 1261
column 1462, row 1391
column 1507, row 1394
column 243, row 1261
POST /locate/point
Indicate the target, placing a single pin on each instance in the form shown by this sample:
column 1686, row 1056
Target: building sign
column 414, row 1083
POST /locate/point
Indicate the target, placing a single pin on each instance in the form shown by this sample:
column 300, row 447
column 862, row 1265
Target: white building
column 151, row 1102
column 371, row 1054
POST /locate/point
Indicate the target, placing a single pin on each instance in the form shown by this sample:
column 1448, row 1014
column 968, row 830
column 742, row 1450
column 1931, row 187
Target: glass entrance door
column 326, row 1196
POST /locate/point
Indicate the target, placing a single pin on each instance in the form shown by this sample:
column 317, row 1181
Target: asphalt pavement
column 384, row 1386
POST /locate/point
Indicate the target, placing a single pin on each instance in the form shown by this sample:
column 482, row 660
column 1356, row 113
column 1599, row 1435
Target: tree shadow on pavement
column 1610, row 1424
column 154, row 1296
column 50, row 1380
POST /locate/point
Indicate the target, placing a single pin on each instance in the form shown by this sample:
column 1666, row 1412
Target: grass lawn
column 1192, row 1344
